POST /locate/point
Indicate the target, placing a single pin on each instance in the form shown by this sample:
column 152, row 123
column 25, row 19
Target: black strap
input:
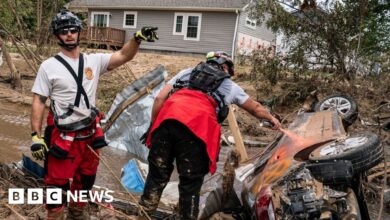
column 79, row 79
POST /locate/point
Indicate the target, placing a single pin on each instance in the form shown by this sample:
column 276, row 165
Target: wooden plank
column 237, row 134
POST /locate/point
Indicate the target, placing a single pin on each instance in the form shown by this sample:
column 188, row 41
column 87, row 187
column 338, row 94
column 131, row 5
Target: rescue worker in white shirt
column 185, row 128
column 70, row 81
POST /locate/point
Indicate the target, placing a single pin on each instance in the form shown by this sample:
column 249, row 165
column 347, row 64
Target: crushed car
column 313, row 170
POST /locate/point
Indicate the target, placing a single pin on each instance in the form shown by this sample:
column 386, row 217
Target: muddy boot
column 56, row 213
column 78, row 213
column 189, row 208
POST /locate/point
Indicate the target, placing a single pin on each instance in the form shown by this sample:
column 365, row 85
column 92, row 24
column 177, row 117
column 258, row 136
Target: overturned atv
column 311, row 171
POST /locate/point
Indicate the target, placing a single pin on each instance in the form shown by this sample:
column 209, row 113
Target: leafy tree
column 19, row 18
column 348, row 35
column 18, row 24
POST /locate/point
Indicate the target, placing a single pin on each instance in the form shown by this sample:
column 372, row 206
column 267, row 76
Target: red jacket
column 196, row 110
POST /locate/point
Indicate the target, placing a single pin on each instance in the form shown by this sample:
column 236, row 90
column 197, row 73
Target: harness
column 207, row 79
column 84, row 117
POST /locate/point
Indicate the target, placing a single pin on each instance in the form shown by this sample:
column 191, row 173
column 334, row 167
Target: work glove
column 145, row 135
column 146, row 33
column 38, row 148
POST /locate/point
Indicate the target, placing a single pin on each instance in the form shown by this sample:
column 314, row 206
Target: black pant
column 173, row 140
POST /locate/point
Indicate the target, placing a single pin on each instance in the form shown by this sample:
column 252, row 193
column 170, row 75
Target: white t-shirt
column 56, row 82
column 233, row 93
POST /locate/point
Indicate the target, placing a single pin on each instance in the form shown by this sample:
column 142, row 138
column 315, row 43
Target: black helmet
column 64, row 19
column 221, row 57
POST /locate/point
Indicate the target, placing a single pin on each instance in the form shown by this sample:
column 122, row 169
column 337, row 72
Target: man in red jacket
column 185, row 127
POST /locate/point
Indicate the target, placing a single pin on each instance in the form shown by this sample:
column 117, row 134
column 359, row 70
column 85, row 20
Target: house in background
column 188, row 26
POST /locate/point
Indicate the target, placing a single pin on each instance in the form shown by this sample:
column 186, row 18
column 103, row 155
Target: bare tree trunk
column 16, row 81
column 44, row 44
column 21, row 35
column 1, row 53
column 39, row 19
column 39, row 14
column 19, row 24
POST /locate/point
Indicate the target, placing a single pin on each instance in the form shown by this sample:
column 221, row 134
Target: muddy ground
column 287, row 96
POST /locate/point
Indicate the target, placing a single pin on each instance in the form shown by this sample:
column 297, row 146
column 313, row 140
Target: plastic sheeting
column 134, row 175
column 126, row 130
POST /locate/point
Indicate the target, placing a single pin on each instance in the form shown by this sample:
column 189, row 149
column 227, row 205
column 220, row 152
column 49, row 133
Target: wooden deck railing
column 103, row 36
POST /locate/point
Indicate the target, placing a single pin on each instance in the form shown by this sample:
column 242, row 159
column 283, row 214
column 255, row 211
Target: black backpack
column 207, row 78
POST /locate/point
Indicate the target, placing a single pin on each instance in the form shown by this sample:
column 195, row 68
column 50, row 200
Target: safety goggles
column 65, row 31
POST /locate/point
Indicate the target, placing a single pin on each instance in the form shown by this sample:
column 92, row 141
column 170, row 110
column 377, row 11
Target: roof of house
column 205, row 5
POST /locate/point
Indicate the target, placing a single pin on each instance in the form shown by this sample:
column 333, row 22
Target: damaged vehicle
column 313, row 170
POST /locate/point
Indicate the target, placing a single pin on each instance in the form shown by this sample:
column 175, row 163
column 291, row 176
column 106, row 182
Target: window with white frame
column 251, row 23
column 188, row 25
column 100, row 19
column 178, row 26
column 130, row 19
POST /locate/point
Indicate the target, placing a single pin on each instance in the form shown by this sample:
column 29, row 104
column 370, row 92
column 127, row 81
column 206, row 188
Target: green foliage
column 26, row 12
column 347, row 35
column 265, row 65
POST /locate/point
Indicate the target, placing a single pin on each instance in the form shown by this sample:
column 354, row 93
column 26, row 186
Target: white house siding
column 217, row 30
column 249, row 39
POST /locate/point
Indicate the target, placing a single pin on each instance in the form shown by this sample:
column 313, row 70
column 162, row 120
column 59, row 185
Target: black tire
column 363, row 150
column 345, row 106
column 339, row 172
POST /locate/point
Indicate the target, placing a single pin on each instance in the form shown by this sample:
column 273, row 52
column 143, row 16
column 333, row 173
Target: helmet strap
column 68, row 47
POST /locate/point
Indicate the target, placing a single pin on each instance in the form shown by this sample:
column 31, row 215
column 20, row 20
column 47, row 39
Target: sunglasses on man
column 65, row 31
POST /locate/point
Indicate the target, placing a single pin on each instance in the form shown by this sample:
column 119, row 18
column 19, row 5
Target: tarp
column 134, row 175
column 134, row 120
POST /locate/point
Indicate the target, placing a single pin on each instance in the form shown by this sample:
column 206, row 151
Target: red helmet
column 221, row 57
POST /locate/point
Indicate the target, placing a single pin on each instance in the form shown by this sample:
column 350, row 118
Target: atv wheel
column 345, row 106
column 363, row 150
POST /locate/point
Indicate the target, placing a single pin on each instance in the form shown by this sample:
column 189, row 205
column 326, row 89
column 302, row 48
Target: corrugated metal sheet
column 126, row 130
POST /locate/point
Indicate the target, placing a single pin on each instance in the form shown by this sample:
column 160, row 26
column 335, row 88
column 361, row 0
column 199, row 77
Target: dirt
column 285, row 98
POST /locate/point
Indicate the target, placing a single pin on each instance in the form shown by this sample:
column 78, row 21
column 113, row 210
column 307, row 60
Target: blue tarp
column 132, row 178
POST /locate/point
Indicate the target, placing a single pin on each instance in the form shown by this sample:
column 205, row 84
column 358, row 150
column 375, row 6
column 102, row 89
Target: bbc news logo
column 54, row 196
